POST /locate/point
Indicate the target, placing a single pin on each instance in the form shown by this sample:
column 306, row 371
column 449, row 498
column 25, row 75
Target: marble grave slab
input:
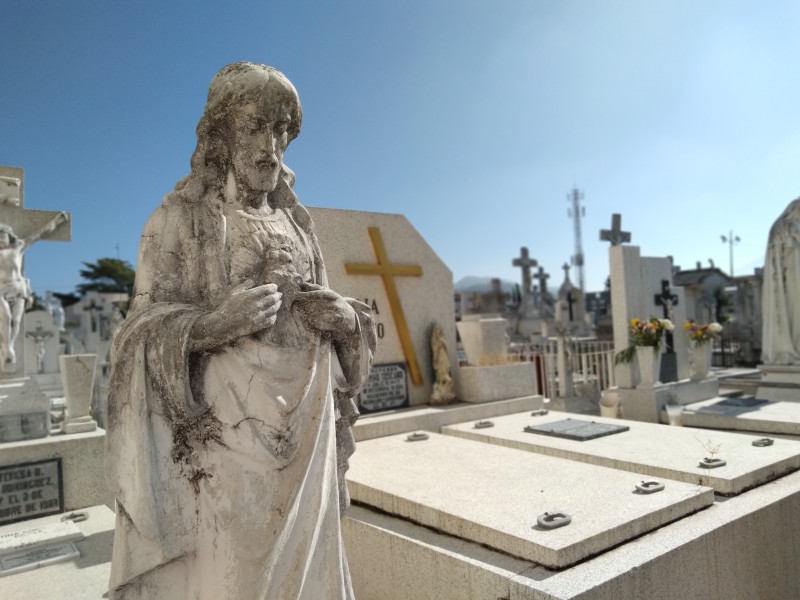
column 493, row 495
column 658, row 451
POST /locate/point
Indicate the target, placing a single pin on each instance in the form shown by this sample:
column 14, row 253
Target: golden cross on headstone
column 388, row 272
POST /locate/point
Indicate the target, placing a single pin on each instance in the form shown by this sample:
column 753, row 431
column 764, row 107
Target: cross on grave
column 26, row 227
column 542, row 276
column 95, row 308
column 570, row 304
column 40, row 336
column 615, row 235
column 525, row 262
column 666, row 300
column 388, row 272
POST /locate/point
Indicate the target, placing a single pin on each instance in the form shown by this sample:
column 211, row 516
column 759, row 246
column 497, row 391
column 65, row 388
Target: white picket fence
column 590, row 361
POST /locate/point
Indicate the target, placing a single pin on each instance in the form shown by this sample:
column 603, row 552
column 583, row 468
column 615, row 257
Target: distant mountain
column 470, row 283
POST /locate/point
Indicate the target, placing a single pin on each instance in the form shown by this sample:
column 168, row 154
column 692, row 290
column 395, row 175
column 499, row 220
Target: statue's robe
column 780, row 344
column 224, row 464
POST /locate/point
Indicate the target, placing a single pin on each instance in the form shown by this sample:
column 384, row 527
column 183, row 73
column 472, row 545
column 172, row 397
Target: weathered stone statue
column 781, row 296
column 230, row 411
column 443, row 384
column 15, row 290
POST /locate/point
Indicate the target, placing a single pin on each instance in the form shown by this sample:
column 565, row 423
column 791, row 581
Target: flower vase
column 700, row 361
column 77, row 376
column 649, row 359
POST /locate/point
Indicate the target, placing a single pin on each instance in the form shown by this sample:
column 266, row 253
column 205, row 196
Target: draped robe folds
column 781, row 291
column 227, row 466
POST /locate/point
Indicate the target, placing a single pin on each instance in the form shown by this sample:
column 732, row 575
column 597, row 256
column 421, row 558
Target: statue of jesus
column 230, row 402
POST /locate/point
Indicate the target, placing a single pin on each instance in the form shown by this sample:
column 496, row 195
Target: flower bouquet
column 702, row 333
column 643, row 333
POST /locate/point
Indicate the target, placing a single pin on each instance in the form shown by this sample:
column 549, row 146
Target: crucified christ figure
column 15, row 290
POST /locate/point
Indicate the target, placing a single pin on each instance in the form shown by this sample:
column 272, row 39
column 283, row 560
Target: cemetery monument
column 233, row 374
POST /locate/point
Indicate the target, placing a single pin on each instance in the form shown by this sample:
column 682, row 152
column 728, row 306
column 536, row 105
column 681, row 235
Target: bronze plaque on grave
column 29, row 490
column 573, row 429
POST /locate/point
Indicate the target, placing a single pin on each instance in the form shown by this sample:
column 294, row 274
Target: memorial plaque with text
column 387, row 388
column 30, row 490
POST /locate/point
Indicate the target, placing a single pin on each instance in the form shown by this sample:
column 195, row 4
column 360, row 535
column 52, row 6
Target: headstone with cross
column 542, row 277
column 615, row 235
column 570, row 310
column 666, row 300
column 526, row 263
column 27, row 226
column 382, row 260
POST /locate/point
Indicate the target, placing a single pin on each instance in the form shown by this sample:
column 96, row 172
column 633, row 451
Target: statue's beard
column 249, row 184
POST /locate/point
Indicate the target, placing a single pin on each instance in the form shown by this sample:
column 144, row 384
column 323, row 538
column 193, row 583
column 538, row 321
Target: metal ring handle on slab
column 417, row 436
column 553, row 519
column 483, row 424
column 712, row 463
column 649, row 487
column 540, row 412
column 761, row 443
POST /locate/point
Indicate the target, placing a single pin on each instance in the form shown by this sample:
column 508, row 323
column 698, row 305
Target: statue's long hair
column 235, row 85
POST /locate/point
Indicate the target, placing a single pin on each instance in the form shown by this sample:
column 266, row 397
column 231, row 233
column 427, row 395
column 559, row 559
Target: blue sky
column 474, row 119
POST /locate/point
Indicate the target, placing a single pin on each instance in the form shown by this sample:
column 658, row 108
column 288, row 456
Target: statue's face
column 259, row 141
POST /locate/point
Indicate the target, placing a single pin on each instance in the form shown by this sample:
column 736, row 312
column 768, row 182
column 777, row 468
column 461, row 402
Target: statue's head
column 7, row 236
column 251, row 115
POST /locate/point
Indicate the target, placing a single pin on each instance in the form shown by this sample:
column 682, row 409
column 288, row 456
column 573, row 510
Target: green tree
column 107, row 275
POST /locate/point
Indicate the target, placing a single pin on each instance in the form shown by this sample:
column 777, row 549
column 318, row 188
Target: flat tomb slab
column 769, row 416
column 493, row 495
column 654, row 450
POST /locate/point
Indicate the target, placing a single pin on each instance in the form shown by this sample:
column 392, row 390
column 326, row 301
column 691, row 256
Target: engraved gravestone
column 382, row 260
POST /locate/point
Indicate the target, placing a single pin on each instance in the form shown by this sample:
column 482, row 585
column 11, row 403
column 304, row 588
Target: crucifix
column 525, row 262
column 666, row 300
column 615, row 235
column 388, row 271
column 542, row 276
column 40, row 337
column 19, row 228
column 95, row 310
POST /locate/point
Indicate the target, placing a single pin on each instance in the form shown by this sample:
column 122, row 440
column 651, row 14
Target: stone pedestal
column 484, row 339
column 24, row 411
column 77, row 374
column 779, row 382
column 498, row 382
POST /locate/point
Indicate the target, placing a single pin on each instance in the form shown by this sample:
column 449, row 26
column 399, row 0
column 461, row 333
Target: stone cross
column 615, row 235
column 28, row 226
column 388, row 272
column 542, row 277
column 525, row 262
column 667, row 300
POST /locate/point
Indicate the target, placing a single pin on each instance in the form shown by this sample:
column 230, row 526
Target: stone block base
column 82, row 425
column 498, row 382
column 779, row 383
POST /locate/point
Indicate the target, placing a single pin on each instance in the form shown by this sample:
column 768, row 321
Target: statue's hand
column 323, row 310
column 245, row 311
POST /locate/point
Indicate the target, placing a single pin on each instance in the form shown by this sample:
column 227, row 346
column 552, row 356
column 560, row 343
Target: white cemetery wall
column 423, row 282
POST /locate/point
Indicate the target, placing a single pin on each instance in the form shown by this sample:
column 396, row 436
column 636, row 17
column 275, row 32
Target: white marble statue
column 230, row 404
column 781, row 292
column 15, row 290
column 443, row 384
column 56, row 310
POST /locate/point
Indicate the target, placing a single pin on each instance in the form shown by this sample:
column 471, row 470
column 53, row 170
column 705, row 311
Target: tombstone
column 381, row 260
column 24, row 410
column 637, row 290
column 573, row 307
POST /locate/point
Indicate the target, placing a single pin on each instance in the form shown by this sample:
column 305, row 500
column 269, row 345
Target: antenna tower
column 576, row 212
